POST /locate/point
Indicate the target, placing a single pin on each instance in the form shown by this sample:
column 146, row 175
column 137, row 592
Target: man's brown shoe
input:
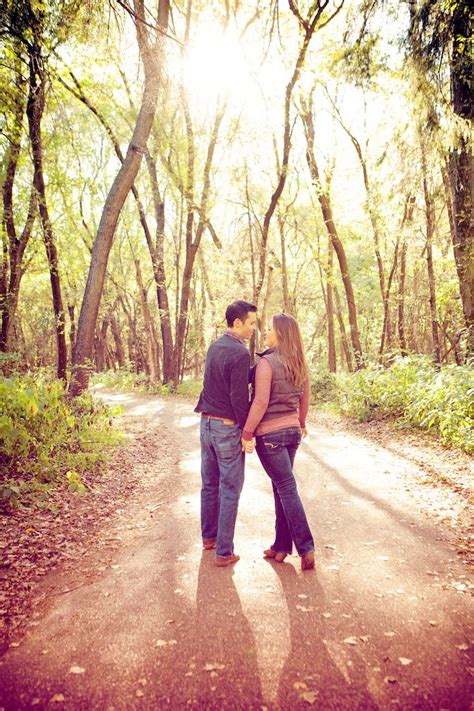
column 223, row 560
column 277, row 556
column 209, row 543
column 307, row 561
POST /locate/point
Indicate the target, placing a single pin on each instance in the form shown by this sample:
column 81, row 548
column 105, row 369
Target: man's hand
column 304, row 432
column 248, row 445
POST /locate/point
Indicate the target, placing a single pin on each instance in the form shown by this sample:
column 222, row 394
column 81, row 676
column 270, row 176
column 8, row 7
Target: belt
column 225, row 420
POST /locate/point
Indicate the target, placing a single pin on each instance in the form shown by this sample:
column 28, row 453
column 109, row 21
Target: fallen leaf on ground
column 389, row 634
column 309, row 696
column 463, row 647
column 383, row 557
column 330, row 546
column 139, row 693
column 364, row 637
column 165, row 643
column 142, row 682
column 76, row 670
column 433, row 623
column 405, row 661
column 303, row 609
column 299, row 685
column 390, row 680
column 326, row 614
column 350, row 640
column 302, row 596
column 57, row 698
column 212, row 666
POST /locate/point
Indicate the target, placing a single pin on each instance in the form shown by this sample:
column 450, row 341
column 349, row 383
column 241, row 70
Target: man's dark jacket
column 225, row 391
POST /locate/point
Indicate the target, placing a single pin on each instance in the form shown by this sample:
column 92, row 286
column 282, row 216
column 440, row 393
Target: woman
column 277, row 418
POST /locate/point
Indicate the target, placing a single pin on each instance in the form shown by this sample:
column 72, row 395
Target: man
column 224, row 405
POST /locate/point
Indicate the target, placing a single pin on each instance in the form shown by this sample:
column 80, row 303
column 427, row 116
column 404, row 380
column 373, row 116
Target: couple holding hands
column 273, row 423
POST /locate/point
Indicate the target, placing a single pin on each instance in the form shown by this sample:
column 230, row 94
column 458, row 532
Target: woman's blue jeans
column 276, row 451
column 222, row 473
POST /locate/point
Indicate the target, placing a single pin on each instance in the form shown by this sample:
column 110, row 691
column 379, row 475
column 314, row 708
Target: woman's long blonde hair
column 290, row 348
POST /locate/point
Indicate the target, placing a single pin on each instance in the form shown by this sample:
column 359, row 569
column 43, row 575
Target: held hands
column 248, row 445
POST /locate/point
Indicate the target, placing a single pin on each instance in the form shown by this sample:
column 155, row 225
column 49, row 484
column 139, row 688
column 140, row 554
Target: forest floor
column 108, row 601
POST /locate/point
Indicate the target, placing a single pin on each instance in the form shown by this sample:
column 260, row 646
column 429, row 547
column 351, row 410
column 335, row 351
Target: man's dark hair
column 239, row 309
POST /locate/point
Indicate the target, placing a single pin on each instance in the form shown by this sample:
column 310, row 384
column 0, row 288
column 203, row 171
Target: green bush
column 122, row 379
column 125, row 379
column 323, row 387
column 413, row 390
column 44, row 437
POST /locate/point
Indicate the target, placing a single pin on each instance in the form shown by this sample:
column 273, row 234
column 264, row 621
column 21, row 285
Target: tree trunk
column 119, row 351
column 332, row 358
column 430, row 222
column 461, row 163
column 371, row 211
column 121, row 186
column 157, row 253
column 34, row 111
column 264, row 313
column 72, row 327
column 342, row 330
column 401, row 300
column 326, row 210
column 156, row 250
column 287, row 305
column 11, row 266
column 147, row 322
column 192, row 245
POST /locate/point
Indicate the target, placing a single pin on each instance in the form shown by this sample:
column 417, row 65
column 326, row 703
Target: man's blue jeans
column 222, row 473
column 276, row 451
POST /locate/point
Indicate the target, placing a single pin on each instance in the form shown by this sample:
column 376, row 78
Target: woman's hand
column 304, row 432
column 248, row 445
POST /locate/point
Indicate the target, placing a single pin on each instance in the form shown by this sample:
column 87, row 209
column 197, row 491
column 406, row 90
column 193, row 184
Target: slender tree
column 326, row 209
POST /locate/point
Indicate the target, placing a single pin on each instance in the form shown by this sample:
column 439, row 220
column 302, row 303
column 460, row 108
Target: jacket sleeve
column 239, row 387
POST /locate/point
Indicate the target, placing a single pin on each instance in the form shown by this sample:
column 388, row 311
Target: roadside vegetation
column 411, row 392
column 48, row 440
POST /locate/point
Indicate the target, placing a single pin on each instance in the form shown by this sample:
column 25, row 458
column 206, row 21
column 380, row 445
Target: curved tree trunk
column 122, row 184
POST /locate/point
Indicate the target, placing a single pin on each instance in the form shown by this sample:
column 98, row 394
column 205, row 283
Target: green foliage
column 46, row 438
column 323, row 387
column 441, row 401
column 124, row 379
column 121, row 379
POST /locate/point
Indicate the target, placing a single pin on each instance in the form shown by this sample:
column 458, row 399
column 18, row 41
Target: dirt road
column 385, row 620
